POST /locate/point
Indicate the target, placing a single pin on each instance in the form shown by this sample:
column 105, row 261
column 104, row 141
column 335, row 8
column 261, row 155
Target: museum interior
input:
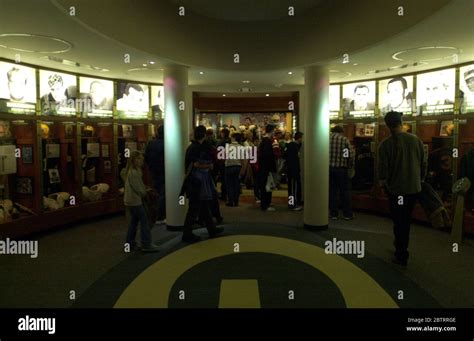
column 86, row 84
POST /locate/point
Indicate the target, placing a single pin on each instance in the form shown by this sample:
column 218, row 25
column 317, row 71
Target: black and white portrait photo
column 58, row 93
column 17, row 88
column 132, row 100
column 396, row 94
column 96, row 98
column 435, row 92
column 359, row 99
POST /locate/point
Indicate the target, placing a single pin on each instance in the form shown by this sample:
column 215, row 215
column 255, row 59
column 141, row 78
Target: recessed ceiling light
column 144, row 64
column 66, row 48
column 267, row 95
column 246, row 82
column 201, row 72
column 223, row 95
column 451, row 51
column 355, row 64
column 151, row 62
column 290, row 73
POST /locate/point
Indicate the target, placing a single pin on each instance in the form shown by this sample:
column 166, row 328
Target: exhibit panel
column 58, row 93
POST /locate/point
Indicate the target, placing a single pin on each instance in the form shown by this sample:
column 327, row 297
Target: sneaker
column 270, row 209
column 334, row 218
column 348, row 218
column 298, row 208
column 160, row 222
column 257, row 201
column 150, row 248
column 216, row 231
column 192, row 238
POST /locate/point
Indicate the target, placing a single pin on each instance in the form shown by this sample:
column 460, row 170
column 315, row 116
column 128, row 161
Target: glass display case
column 97, row 150
column 131, row 136
column 19, row 189
column 437, row 137
column 466, row 158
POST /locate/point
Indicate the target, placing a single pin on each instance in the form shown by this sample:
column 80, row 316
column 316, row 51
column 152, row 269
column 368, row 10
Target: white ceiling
column 451, row 27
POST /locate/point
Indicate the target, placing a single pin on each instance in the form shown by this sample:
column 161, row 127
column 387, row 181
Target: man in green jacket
column 402, row 168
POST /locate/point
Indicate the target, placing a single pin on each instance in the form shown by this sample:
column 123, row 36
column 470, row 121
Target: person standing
column 134, row 193
column 199, row 186
column 402, row 168
column 341, row 159
column 267, row 165
column 222, row 142
column 232, row 172
column 292, row 159
column 155, row 159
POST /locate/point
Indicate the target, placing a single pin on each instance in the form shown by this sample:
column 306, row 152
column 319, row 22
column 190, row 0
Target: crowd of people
column 401, row 171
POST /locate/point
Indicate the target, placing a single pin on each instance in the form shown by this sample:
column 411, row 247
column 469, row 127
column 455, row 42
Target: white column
column 175, row 82
column 316, row 150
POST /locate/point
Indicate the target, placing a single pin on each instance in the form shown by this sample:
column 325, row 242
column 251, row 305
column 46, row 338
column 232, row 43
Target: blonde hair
column 134, row 155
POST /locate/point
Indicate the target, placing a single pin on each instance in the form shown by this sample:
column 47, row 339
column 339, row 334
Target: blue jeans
column 339, row 184
column 233, row 184
column 138, row 215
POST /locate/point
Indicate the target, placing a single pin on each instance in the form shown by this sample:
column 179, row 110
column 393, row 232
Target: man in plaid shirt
column 341, row 159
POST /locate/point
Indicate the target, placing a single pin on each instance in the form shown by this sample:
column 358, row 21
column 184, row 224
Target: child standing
column 133, row 199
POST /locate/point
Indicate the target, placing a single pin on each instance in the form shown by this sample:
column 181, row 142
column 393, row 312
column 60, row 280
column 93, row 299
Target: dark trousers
column 138, row 215
column 294, row 188
column 401, row 208
column 198, row 209
column 159, row 185
column 233, row 184
column 256, row 187
column 339, row 184
column 215, row 208
column 265, row 197
column 223, row 185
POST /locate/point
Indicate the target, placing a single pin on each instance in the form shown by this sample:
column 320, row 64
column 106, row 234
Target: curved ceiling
column 319, row 30
column 246, row 10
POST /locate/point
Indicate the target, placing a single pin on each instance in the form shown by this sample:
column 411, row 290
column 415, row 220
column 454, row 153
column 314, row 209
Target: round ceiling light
column 427, row 53
column 34, row 43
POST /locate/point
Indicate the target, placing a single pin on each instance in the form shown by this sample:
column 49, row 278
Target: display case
column 465, row 161
column 97, row 161
column 60, row 178
column 131, row 136
column 19, row 162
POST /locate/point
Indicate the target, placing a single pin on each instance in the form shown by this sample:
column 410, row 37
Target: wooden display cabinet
column 20, row 192
column 97, row 161
column 59, row 164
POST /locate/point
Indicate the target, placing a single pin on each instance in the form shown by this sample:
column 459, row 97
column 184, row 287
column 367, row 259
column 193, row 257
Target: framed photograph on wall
column 27, row 154
column 24, row 185
column 107, row 166
column 54, row 176
column 105, row 150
